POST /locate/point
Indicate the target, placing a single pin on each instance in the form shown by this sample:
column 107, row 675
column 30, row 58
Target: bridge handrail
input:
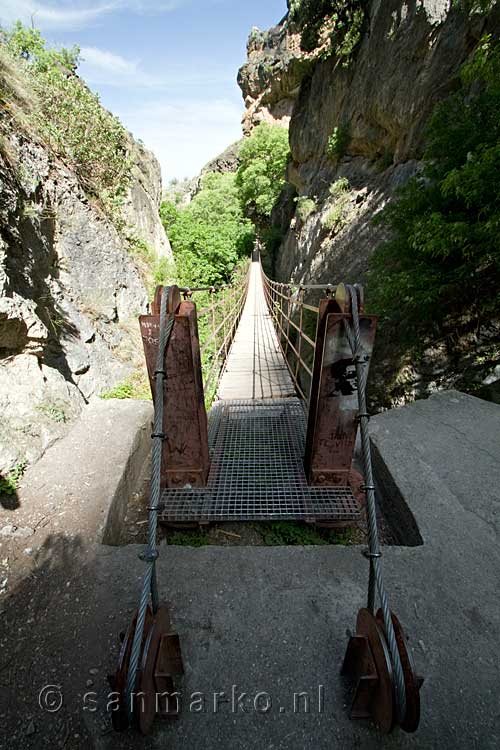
column 218, row 321
column 291, row 316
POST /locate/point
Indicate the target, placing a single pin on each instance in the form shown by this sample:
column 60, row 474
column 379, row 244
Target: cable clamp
column 366, row 487
column 160, row 372
column 363, row 414
column 149, row 555
column 150, row 509
column 162, row 435
column 371, row 555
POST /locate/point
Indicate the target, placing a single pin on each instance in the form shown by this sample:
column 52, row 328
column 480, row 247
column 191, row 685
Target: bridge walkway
column 255, row 367
column 257, row 436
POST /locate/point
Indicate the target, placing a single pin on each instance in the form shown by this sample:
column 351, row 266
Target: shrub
column 347, row 19
column 444, row 259
column 474, row 6
column 136, row 387
column 338, row 142
column 305, row 207
column 10, row 482
column 70, row 118
column 337, row 214
column 53, row 411
column 261, row 175
column 339, row 187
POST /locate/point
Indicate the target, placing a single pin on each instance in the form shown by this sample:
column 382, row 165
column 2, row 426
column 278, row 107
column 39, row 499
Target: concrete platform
column 274, row 620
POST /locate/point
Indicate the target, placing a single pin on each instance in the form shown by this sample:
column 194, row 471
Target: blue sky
column 166, row 68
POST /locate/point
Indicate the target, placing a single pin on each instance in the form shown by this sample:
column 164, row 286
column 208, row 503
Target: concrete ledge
column 83, row 482
column 437, row 456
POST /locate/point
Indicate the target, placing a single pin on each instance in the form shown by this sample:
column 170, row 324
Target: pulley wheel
column 382, row 703
column 413, row 683
column 151, row 693
column 159, row 660
column 118, row 682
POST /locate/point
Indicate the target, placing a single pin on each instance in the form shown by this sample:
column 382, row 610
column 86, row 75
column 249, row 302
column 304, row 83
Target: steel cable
column 150, row 555
column 361, row 360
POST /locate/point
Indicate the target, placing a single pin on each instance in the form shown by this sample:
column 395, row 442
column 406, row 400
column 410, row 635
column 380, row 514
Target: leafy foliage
column 305, row 207
column 195, row 538
column 121, row 391
column 70, row 117
column 338, row 142
column 296, row 533
column 444, row 257
column 347, row 19
column 10, row 482
column 53, row 411
column 210, row 234
column 261, row 175
column 136, row 387
column 335, row 217
column 474, row 6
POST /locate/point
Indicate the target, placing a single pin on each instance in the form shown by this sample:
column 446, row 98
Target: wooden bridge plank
column 255, row 367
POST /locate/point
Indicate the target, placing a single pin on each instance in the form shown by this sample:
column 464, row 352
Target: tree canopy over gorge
column 219, row 226
column 261, row 175
column 443, row 260
column 210, row 234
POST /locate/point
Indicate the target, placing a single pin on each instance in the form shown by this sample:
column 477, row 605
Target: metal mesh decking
column 256, row 472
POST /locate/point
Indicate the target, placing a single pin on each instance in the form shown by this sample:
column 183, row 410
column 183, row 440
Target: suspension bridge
column 288, row 379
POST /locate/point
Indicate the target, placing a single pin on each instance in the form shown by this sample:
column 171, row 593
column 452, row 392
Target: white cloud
column 67, row 15
column 102, row 67
column 60, row 15
column 185, row 135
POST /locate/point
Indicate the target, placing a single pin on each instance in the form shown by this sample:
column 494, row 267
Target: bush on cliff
column 443, row 260
column 68, row 116
column 345, row 18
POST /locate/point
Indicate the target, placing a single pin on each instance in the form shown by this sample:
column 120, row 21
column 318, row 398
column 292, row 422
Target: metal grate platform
column 256, row 472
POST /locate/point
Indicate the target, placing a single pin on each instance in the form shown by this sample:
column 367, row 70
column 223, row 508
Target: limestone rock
column 270, row 79
column 408, row 59
column 69, row 292
column 143, row 200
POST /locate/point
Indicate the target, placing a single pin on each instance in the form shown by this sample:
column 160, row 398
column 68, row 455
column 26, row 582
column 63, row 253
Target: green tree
column 444, row 257
column 261, row 175
column 210, row 234
column 169, row 213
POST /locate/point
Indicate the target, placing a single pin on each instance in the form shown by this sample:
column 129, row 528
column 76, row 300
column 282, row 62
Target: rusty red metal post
column 185, row 458
column 333, row 409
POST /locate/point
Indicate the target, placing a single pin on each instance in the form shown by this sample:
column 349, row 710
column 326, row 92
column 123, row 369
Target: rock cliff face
column 271, row 78
column 69, row 292
column 144, row 198
column 408, row 59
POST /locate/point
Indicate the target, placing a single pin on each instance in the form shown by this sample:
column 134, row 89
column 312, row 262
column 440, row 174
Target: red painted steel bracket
column 185, row 459
column 333, row 410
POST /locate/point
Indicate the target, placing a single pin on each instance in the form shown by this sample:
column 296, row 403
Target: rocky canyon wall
column 70, row 292
column 408, row 59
